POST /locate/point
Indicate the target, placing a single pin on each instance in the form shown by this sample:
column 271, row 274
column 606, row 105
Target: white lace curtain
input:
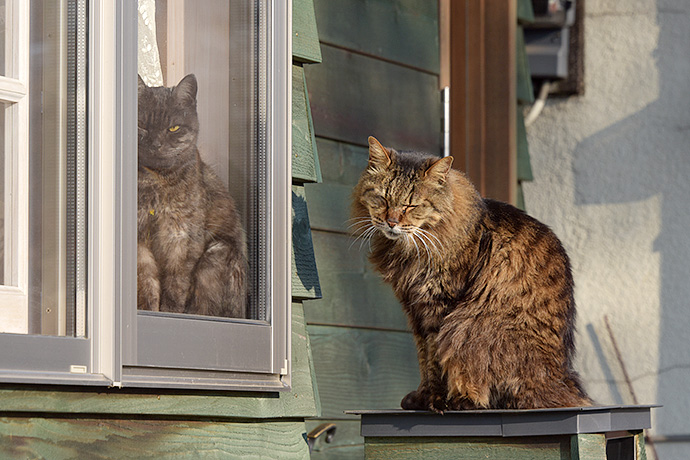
column 149, row 59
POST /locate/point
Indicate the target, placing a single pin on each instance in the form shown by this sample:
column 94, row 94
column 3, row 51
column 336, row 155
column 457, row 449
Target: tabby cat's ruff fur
column 191, row 246
column 487, row 290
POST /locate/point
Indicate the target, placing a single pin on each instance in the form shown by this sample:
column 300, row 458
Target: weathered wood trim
column 588, row 447
column 305, row 277
column 58, row 438
column 305, row 165
column 305, row 36
column 555, row 448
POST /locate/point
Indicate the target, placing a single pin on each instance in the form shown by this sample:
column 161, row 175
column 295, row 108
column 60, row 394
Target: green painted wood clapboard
column 84, row 422
column 354, row 96
column 358, row 367
column 403, row 31
column 379, row 77
column 305, row 36
column 305, row 160
column 525, row 95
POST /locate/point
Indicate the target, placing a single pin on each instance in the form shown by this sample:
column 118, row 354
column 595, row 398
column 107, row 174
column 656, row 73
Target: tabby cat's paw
column 437, row 404
column 461, row 403
column 415, row 400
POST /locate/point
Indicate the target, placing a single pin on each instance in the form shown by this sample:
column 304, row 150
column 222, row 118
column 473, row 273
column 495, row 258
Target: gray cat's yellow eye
column 172, row 129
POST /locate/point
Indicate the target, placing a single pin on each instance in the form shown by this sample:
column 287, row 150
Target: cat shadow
column 642, row 161
column 608, row 374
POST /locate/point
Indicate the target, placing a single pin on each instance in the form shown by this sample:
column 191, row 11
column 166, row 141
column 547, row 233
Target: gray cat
column 191, row 252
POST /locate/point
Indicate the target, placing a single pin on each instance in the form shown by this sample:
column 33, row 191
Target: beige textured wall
column 612, row 178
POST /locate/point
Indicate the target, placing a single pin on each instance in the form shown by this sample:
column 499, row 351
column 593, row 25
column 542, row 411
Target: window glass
column 201, row 159
column 56, row 138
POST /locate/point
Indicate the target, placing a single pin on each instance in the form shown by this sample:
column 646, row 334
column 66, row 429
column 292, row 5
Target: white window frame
column 109, row 355
column 14, row 92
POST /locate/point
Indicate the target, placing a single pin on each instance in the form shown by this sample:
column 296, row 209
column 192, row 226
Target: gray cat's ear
column 142, row 85
column 439, row 169
column 186, row 89
column 379, row 158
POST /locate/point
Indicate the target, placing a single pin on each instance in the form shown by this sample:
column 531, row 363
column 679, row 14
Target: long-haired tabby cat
column 487, row 290
column 191, row 253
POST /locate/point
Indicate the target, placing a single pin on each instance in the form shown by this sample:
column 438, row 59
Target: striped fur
column 487, row 290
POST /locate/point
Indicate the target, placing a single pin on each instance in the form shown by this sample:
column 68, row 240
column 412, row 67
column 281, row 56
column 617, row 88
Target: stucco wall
column 612, row 178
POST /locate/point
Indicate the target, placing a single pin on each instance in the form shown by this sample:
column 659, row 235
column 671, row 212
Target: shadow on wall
column 643, row 156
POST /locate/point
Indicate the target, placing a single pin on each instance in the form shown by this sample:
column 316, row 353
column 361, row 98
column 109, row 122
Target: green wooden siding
column 379, row 76
column 354, row 96
column 403, row 31
column 85, row 422
column 525, row 95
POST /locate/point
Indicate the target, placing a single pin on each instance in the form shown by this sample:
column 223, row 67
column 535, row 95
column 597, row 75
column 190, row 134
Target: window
column 72, row 191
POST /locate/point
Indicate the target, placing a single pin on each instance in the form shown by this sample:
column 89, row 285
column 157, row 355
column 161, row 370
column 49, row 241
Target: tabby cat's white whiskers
column 365, row 235
column 424, row 236
column 358, row 221
column 410, row 237
column 426, row 247
column 427, row 232
column 371, row 232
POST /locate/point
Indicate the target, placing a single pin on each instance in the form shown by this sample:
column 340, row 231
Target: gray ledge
column 505, row 423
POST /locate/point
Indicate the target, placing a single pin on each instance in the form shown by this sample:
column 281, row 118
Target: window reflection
column 198, row 216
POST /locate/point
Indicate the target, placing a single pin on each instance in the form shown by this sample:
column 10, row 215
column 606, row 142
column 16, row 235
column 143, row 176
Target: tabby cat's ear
column 438, row 170
column 141, row 84
column 379, row 158
column 185, row 91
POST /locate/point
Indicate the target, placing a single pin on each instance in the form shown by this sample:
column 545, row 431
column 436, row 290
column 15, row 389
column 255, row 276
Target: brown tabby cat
column 487, row 290
column 191, row 255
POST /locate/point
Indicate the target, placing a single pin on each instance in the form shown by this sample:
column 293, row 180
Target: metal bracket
column 328, row 428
